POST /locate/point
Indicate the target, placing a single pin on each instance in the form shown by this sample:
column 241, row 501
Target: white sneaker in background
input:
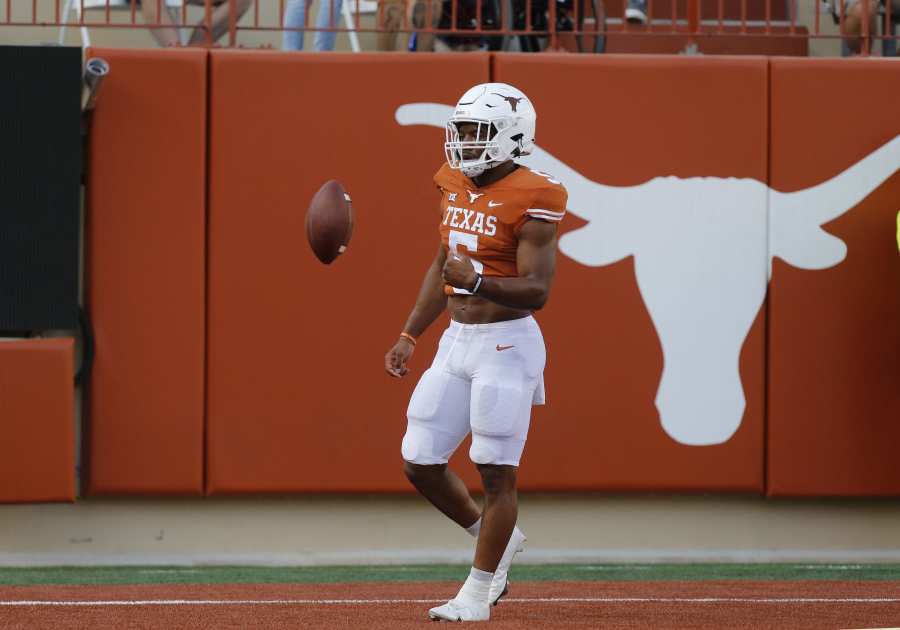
column 636, row 11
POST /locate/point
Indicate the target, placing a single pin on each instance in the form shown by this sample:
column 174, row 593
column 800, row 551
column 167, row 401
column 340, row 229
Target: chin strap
column 474, row 171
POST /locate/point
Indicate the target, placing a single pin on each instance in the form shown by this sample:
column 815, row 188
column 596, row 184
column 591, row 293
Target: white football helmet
column 505, row 120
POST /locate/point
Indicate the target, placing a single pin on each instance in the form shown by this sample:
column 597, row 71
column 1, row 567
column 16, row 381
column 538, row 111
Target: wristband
column 408, row 337
column 478, row 280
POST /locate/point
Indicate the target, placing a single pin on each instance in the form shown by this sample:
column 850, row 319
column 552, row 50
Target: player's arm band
column 478, row 280
column 408, row 337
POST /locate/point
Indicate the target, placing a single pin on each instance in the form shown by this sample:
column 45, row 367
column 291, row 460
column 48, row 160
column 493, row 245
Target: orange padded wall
column 37, row 452
column 297, row 396
column 621, row 122
column 834, row 359
column 146, row 273
column 667, row 160
column 298, row 399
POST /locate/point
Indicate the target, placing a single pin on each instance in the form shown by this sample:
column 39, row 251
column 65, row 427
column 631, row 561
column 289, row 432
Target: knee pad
column 499, row 409
column 418, row 446
column 501, row 413
column 496, row 451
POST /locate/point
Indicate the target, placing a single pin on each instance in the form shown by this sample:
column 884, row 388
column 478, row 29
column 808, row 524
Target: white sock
column 477, row 586
column 474, row 528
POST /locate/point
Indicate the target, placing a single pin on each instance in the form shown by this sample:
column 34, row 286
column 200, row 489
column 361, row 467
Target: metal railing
column 577, row 25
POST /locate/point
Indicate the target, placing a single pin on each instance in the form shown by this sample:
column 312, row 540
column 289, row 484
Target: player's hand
column 459, row 271
column 396, row 358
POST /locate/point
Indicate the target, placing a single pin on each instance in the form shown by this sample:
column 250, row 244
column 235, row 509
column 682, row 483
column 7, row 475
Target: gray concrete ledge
column 391, row 530
column 849, row 558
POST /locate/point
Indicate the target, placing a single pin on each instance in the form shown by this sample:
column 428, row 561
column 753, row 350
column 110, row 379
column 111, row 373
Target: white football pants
column 484, row 379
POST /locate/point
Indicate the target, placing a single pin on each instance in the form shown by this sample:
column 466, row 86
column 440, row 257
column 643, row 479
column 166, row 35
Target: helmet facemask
column 488, row 142
column 503, row 124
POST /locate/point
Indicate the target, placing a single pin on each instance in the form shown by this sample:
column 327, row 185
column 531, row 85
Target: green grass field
column 21, row 576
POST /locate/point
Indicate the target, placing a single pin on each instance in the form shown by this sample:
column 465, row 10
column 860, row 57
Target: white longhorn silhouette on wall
column 703, row 250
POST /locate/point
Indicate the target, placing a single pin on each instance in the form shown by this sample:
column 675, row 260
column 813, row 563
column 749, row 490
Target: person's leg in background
column 390, row 21
column 853, row 23
column 294, row 18
column 420, row 17
column 889, row 28
column 898, row 230
column 491, row 21
column 156, row 12
column 538, row 8
column 220, row 20
column 328, row 19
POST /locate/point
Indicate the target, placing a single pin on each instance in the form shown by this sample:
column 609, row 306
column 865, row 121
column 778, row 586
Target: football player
column 493, row 269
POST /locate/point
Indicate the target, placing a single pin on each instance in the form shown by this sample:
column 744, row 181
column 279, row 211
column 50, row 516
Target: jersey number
column 470, row 242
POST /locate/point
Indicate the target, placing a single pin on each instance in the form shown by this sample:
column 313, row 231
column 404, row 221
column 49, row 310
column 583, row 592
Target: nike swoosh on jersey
column 502, row 348
column 494, row 204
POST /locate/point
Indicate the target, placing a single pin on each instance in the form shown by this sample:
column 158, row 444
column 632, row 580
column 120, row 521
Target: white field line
column 520, row 600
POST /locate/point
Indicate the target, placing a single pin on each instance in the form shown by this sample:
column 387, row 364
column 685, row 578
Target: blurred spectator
column 540, row 20
column 854, row 14
column 328, row 17
column 467, row 19
column 156, row 12
column 390, row 22
column 423, row 10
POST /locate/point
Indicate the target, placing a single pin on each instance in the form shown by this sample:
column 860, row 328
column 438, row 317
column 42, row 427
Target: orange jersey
column 484, row 223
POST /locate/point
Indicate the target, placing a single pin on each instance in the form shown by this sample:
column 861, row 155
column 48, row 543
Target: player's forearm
column 430, row 303
column 524, row 293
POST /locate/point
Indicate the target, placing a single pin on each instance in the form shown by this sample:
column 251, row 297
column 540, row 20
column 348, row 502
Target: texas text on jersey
column 484, row 223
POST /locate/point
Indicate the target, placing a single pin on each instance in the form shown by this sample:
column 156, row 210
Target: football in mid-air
column 329, row 221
